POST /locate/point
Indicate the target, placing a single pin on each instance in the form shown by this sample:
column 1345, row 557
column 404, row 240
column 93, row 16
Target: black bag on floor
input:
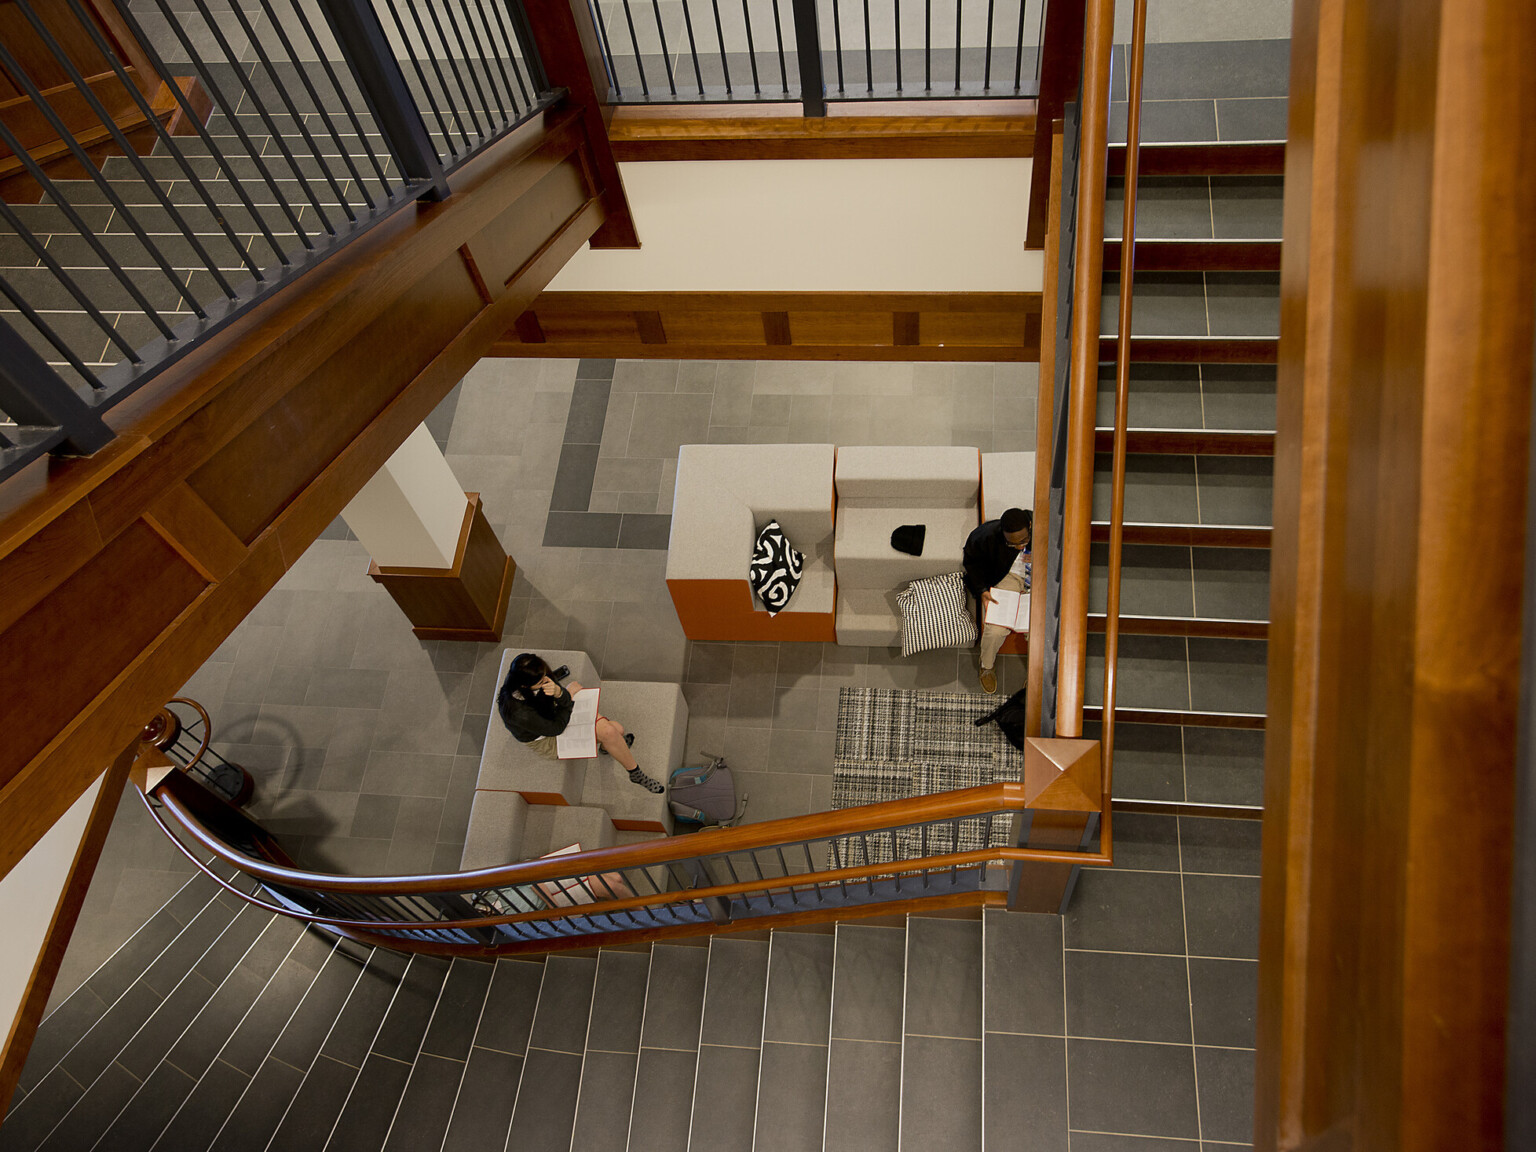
column 1009, row 716
column 705, row 797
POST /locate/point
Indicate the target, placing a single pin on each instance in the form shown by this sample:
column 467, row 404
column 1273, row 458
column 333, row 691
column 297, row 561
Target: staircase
column 1195, row 578
column 221, row 1027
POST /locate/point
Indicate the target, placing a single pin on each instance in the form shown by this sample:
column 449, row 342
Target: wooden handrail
column 1122, row 390
column 562, row 868
column 988, row 798
column 1077, row 514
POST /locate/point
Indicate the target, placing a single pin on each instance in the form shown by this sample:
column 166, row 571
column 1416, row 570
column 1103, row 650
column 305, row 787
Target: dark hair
column 527, row 669
column 1018, row 519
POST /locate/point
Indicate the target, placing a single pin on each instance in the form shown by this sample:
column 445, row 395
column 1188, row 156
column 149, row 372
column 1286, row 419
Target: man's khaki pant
column 993, row 635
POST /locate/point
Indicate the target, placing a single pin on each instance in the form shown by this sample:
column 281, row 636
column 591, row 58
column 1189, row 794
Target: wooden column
column 465, row 602
column 1408, row 290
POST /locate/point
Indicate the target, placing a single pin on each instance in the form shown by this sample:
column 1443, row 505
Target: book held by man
column 1009, row 609
column 579, row 740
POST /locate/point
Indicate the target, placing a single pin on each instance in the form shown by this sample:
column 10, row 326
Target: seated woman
column 536, row 709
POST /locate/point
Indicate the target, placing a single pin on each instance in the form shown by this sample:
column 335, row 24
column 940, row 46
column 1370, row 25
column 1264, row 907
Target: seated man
column 990, row 557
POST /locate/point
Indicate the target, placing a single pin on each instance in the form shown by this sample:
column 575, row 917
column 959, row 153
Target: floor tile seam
column 1174, row 955
column 612, row 1051
column 864, row 1040
column 1148, row 1136
column 938, row 1036
column 743, row 1047
column 1186, row 871
column 542, row 1048
column 794, row 1043
column 498, row 1051
column 667, row 1048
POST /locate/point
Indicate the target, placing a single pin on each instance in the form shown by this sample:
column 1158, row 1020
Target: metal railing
column 947, row 845
column 819, row 51
column 194, row 160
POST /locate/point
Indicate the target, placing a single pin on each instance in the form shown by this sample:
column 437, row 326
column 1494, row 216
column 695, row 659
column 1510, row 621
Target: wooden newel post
column 1063, row 785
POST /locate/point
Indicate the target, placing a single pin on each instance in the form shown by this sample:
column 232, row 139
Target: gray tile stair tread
column 565, row 1004
column 1022, row 972
column 733, row 999
column 669, row 1041
column 792, row 1077
column 867, row 982
column 494, row 1068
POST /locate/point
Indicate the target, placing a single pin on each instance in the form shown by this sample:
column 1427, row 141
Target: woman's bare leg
column 610, row 734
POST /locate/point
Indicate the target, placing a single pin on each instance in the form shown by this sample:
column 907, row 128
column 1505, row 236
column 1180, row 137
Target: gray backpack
column 706, row 797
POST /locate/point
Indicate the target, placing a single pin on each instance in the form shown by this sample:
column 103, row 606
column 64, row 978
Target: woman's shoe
column 649, row 783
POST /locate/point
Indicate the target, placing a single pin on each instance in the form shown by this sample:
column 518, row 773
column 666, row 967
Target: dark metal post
column 33, row 394
column 813, row 88
column 362, row 41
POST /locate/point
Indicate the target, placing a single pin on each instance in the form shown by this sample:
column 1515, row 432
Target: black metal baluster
column 228, row 108
column 129, row 152
column 606, row 44
column 986, row 79
column 341, row 93
column 813, row 85
column 538, row 79
column 469, row 63
column 757, row 88
column 153, row 120
column 298, row 119
column 469, row 104
column 629, row 19
column 927, row 45
column 837, row 40
column 959, row 9
column 24, row 82
column 898, row 47
column 666, row 54
column 485, row 64
column 869, row 54
column 693, row 48
column 725, row 66
column 257, row 103
column 1018, row 55
column 495, row 54
column 448, row 101
column 20, row 152
column 778, row 35
column 325, row 117
column 421, row 78
column 517, row 73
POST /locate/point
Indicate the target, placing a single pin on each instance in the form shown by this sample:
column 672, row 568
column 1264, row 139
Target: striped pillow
column 934, row 614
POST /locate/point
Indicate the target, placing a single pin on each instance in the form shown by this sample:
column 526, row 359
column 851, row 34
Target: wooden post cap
column 1062, row 775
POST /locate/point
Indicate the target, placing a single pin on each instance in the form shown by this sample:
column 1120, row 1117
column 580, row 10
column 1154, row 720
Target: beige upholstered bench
column 526, row 805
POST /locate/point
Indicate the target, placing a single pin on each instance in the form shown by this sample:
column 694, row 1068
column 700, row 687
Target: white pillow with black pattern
column 776, row 568
column 935, row 614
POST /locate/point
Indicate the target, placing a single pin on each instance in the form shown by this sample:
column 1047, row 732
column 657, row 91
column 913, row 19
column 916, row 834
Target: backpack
column 1009, row 716
column 705, row 797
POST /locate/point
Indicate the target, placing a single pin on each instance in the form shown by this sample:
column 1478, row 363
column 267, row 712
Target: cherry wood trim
column 187, row 524
column 1265, row 158
column 1086, row 353
column 1189, row 535
column 1189, row 441
column 1045, row 432
column 1200, row 255
column 1061, row 58
column 66, row 914
column 984, row 129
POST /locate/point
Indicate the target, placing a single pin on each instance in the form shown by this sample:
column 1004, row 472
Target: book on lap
column 579, row 740
column 1009, row 609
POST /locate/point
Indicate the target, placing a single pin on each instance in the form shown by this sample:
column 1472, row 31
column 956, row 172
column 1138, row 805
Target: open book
column 1010, row 609
column 579, row 740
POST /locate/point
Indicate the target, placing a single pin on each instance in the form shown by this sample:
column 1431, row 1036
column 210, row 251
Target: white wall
column 819, row 226
column 28, row 894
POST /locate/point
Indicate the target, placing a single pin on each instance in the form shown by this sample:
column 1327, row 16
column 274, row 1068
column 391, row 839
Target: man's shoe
column 989, row 681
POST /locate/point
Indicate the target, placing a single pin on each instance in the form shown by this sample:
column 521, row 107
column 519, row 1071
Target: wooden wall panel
column 1408, row 317
column 780, row 325
column 106, row 562
column 57, row 661
column 257, row 473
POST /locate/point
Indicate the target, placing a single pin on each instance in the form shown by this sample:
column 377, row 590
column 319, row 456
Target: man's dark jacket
column 987, row 557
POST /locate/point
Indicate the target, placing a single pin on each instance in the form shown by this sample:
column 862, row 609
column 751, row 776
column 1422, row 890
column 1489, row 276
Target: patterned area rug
column 893, row 744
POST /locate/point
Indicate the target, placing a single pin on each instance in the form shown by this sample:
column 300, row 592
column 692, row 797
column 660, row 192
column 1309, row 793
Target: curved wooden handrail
column 999, row 854
column 1006, row 796
column 1077, row 511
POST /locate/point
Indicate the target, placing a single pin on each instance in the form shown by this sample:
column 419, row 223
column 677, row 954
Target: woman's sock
column 648, row 783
